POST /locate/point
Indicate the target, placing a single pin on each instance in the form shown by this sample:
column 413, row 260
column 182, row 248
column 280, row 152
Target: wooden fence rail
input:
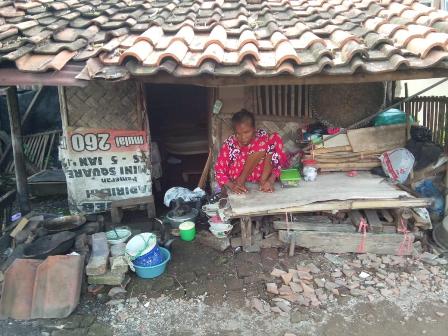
column 431, row 112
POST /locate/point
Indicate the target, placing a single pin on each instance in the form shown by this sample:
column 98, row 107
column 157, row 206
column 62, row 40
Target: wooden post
column 446, row 190
column 246, row 232
column 17, row 149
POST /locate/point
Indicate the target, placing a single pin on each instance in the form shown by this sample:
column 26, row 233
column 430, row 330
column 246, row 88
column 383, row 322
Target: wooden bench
column 118, row 206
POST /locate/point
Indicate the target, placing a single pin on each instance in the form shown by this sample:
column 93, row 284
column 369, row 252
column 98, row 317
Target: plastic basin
column 117, row 236
column 152, row 258
column 150, row 272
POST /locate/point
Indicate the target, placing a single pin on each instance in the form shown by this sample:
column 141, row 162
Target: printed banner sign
column 104, row 165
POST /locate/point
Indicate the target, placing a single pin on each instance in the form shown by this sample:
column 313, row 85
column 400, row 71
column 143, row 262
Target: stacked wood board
column 362, row 150
column 384, row 231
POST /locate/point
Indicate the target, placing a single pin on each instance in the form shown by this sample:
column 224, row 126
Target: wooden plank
column 356, row 159
column 19, row 227
column 373, row 138
column 17, row 148
column 246, row 232
column 270, row 100
column 285, row 101
column 310, row 226
column 34, row 147
column 342, row 205
column 27, row 113
column 278, row 99
column 348, row 166
column 340, row 140
column 40, row 161
column 355, row 216
column 440, row 124
column 47, row 158
column 387, row 215
column 292, row 246
column 205, row 171
column 259, row 101
column 292, row 97
column 375, row 224
column 332, row 150
column 344, row 242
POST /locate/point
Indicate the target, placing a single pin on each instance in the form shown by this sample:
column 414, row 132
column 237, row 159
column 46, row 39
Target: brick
column 100, row 252
column 108, row 278
column 277, row 272
column 272, row 288
column 287, row 277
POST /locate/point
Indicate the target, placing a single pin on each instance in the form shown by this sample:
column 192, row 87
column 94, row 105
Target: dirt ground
column 208, row 293
column 205, row 292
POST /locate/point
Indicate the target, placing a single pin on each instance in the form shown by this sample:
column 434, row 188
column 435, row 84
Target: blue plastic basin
column 149, row 272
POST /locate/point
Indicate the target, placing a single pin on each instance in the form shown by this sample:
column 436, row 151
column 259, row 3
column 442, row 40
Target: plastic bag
column 186, row 194
column 391, row 117
column 397, row 164
column 427, row 188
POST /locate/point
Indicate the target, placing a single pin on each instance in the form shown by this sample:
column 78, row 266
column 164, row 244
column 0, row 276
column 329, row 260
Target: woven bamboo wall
column 111, row 105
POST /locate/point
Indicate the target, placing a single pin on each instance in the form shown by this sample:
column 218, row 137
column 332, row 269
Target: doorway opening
column 178, row 119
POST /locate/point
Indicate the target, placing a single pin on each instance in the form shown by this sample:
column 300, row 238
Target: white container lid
column 186, row 226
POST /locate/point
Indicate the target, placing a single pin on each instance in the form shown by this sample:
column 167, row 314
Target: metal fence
column 432, row 113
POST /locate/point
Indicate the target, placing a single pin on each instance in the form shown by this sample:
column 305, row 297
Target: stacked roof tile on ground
column 224, row 37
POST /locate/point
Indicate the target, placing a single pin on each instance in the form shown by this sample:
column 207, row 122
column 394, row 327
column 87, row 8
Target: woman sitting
column 250, row 155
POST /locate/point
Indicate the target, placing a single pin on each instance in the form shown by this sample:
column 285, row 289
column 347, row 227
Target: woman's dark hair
column 242, row 117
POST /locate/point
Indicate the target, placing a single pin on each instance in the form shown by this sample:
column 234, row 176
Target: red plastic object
column 309, row 162
column 352, row 173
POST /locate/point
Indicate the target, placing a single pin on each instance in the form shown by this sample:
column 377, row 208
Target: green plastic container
column 187, row 231
column 290, row 177
column 391, row 117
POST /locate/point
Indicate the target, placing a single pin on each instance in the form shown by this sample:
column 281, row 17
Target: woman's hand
column 236, row 188
column 267, row 186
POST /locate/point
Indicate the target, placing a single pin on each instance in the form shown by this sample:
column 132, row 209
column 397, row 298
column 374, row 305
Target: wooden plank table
column 330, row 192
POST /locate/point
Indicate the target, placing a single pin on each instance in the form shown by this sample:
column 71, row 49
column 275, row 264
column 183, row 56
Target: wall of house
column 102, row 104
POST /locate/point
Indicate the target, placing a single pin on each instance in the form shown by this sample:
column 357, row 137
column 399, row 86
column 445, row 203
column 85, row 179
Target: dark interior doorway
column 178, row 117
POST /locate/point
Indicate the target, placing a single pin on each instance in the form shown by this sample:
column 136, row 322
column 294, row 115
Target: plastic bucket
column 187, row 231
column 149, row 272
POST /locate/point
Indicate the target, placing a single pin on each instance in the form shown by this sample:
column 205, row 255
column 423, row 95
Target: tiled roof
column 223, row 37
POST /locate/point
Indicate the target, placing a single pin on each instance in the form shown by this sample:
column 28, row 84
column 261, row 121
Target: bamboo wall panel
column 287, row 101
column 104, row 105
column 432, row 113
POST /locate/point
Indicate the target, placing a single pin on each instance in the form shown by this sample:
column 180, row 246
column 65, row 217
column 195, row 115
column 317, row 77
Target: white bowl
column 141, row 244
column 221, row 230
column 210, row 209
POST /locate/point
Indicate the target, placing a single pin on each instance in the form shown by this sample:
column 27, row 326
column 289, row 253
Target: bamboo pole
column 17, row 149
